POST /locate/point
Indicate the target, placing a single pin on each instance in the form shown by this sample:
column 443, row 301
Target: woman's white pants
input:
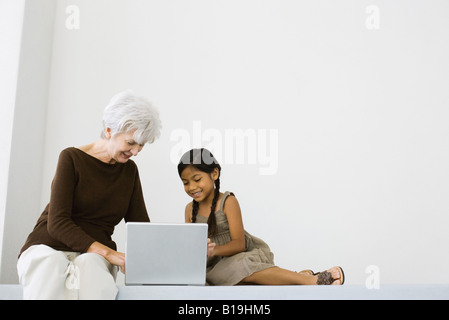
column 46, row 273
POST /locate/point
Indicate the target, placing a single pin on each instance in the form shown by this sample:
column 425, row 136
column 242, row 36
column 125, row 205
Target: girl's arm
column 188, row 219
column 234, row 216
column 188, row 213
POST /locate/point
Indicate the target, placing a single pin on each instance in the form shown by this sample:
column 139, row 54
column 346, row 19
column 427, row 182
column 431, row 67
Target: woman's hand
column 117, row 259
column 210, row 248
column 113, row 257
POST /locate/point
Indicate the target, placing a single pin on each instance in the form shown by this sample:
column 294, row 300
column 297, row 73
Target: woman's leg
column 42, row 273
column 279, row 276
column 96, row 277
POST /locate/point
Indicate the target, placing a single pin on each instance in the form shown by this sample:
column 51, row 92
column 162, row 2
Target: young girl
column 234, row 256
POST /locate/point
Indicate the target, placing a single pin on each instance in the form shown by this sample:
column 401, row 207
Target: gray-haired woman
column 70, row 253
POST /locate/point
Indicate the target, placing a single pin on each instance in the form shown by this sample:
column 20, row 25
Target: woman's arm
column 234, row 216
column 114, row 257
column 137, row 211
column 60, row 225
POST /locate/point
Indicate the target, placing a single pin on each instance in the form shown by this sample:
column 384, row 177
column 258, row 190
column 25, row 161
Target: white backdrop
column 345, row 102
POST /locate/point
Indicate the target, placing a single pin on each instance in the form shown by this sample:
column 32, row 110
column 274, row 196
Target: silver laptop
column 165, row 254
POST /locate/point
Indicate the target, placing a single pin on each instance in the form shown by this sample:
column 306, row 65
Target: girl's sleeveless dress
column 228, row 271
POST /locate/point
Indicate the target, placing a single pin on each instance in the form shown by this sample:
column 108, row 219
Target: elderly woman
column 70, row 253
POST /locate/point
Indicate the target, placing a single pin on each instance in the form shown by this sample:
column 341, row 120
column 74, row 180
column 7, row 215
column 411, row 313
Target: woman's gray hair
column 126, row 112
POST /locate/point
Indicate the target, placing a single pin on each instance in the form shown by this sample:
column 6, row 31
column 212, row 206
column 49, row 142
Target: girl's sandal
column 325, row 277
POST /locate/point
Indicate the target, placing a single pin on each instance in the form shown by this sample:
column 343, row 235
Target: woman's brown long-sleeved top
column 88, row 199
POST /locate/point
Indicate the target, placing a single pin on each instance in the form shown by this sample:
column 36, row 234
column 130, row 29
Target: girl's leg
column 279, row 276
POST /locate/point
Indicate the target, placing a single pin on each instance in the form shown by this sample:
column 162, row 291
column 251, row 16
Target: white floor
column 345, row 292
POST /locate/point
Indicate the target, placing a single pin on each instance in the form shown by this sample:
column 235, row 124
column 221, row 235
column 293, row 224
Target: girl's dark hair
column 203, row 160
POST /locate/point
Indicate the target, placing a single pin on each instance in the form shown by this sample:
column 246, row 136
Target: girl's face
column 198, row 184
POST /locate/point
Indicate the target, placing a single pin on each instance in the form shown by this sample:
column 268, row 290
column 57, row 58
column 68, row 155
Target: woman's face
column 122, row 146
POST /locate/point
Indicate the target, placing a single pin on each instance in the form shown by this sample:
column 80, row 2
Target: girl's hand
column 210, row 248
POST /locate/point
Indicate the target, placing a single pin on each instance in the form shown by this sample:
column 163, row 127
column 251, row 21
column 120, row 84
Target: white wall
column 360, row 109
column 11, row 19
column 29, row 88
